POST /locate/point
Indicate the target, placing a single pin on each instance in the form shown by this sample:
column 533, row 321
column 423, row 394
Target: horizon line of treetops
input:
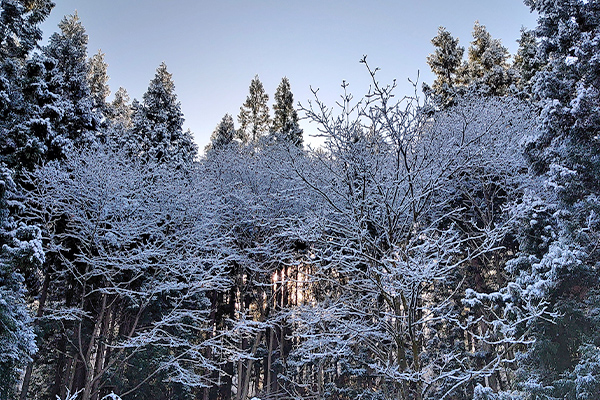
column 487, row 69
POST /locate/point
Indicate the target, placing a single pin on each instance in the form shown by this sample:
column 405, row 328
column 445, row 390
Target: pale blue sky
column 214, row 48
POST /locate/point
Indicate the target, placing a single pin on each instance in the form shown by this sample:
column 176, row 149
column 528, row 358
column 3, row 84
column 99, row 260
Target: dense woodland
column 442, row 245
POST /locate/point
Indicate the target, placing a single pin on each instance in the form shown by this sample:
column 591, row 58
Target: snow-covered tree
column 69, row 79
column 19, row 26
column 223, row 135
column 254, row 114
column 445, row 63
column 285, row 120
column 23, row 85
column 395, row 244
column 157, row 131
column 98, row 81
column 133, row 244
column 527, row 63
column 20, row 251
column 560, row 261
column 487, row 67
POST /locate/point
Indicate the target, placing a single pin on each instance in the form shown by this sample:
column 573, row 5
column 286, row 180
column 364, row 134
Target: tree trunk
column 40, row 312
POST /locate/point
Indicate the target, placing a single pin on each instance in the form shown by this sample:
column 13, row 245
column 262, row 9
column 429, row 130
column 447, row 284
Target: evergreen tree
column 118, row 120
column 98, row 78
column 157, row 131
column 20, row 250
column 20, row 244
column 19, row 111
column 527, row 64
column 487, row 66
column 223, row 135
column 445, row 63
column 19, row 26
column 254, row 114
column 119, row 111
column 562, row 263
column 285, row 122
column 70, row 80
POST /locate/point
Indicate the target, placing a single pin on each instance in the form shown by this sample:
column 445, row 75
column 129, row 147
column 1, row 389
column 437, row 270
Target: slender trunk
column 248, row 370
column 101, row 352
column 90, row 370
column 61, row 374
column 269, row 379
column 208, row 351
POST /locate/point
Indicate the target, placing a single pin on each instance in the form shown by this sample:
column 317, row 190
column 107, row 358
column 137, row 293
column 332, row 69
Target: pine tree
column 285, row 122
column 445, row 63
column 223, row 135
column 21, row 124
column 157, row 131
column 254, row 114
column 119, row 110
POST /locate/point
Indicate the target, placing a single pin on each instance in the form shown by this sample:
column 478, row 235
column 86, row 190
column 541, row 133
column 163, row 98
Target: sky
column 215, row 48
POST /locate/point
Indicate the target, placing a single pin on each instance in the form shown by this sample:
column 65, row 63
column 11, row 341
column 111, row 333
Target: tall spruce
column 157, row 131
column 254, row 114
column 19, row 26
column 98, row 81
column 285, row 121
column 20, row 251
column 526, row 63
column 70, row 79
column 566, row 256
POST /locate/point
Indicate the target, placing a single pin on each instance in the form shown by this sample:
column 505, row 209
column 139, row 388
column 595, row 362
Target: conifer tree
column 20, row 250
column 118, row 120
column 487, row 66
column 19, row 26
column 223, row 134
column 561, row 230
column 119, row 110
column 19, row 89
column 70, row 80
column 445, row 63
column 254, row 114
column 98, row 78
column 157, row 131
column 526, row 63
column 285, row 121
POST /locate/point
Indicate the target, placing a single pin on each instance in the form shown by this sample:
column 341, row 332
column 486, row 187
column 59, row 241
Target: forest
column 440, row 245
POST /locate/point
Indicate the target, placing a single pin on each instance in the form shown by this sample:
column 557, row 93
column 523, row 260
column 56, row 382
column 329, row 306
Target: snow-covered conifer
column 254, row 114
column 20, row 252
column 98, row 81
column 223, row 135
column 69, row 79
column 285, row 120
column 19, row 26
column 445, row 63
column 487, row 67
column 157, row 124
column 563, row 262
